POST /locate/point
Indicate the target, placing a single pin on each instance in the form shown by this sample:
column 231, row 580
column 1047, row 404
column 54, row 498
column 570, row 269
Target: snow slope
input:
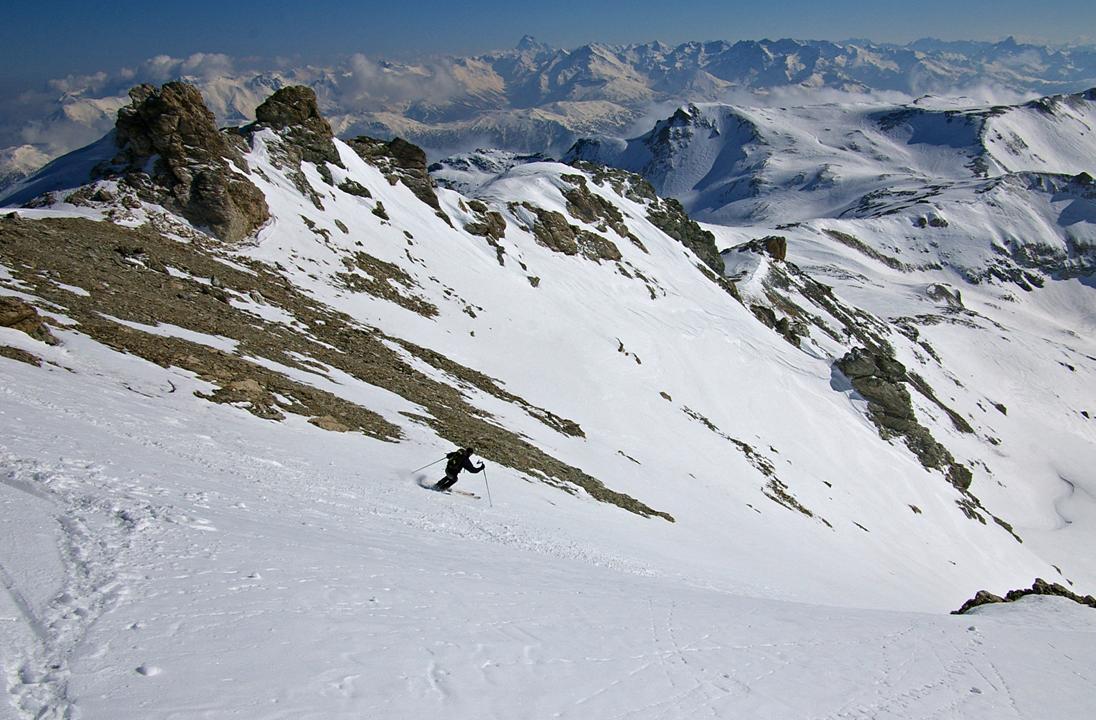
column 179, row 559
column 168, row 556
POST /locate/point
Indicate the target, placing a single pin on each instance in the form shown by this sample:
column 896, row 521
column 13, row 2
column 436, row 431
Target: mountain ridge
column 535, row 98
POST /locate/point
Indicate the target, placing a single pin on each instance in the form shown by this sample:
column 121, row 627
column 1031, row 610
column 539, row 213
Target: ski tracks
column 927, row 677
column 97, row 524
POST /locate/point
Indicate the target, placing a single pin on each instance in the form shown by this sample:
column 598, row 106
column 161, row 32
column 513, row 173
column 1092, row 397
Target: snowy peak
column 529, row 44
column 683, row 154
column 1051, row 134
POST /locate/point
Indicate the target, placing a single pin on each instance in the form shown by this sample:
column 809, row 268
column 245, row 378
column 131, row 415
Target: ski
column 426, row 485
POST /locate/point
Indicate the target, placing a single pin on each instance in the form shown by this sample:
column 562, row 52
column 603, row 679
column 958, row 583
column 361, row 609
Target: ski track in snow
column 93, row 532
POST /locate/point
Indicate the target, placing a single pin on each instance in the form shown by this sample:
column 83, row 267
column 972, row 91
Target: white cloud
column 367, row 83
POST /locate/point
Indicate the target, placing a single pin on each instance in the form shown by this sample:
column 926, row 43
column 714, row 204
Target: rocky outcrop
column 882, row 380
column 1039, row 587
column 591, row 208
column 669, row 216
column 552, row 230
column 489, row 224
column 400, row 161
column 326, row 422
column 626, row 184
column 18, row 315
column 293, row 113
column 945, row 295
column 775, row 246
column 862, row 247
column 791, row 330
column 172, row 154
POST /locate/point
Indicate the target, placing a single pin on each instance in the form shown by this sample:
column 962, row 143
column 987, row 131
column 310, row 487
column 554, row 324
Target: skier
column 458, row 460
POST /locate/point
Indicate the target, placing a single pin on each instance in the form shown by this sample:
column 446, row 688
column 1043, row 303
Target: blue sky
column 41, row 40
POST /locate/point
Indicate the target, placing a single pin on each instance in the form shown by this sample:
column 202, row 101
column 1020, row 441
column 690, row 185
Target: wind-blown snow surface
column 168, row 557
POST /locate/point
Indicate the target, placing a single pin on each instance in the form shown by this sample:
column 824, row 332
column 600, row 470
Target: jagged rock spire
column 294, row 113
column 191, row 161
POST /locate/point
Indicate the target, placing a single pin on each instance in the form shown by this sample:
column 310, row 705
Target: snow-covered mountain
column 722, row 461
column 983, row 191
column 741, row 164
column 535, row 98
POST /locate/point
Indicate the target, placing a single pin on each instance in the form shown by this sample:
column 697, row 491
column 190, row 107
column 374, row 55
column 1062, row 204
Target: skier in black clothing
column 458, row 460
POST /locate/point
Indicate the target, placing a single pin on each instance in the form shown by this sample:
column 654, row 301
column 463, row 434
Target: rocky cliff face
column 172, row 154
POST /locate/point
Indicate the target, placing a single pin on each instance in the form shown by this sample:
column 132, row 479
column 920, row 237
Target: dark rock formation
column 881, row 379
column 669, row 216
column 552, row 230
column 400, row 161
column 626, row 184
column 490, row 225
column 192, row 162
column 775, row 246
column 18, row 315
column 592, row 208
column 860, row 246
column 792, row 331
column 294, row 114
column 353, row 187
column 943, row 294
column 1039, row 587
column 20, row 355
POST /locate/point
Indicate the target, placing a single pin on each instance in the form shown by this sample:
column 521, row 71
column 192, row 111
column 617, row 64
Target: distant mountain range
column 535, row 98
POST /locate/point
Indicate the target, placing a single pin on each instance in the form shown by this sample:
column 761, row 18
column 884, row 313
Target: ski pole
column 489, row 502
column 426, row 466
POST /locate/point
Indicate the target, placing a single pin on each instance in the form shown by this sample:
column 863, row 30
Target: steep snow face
column 554, row 314
column 1053, row 134
column 304, row 567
